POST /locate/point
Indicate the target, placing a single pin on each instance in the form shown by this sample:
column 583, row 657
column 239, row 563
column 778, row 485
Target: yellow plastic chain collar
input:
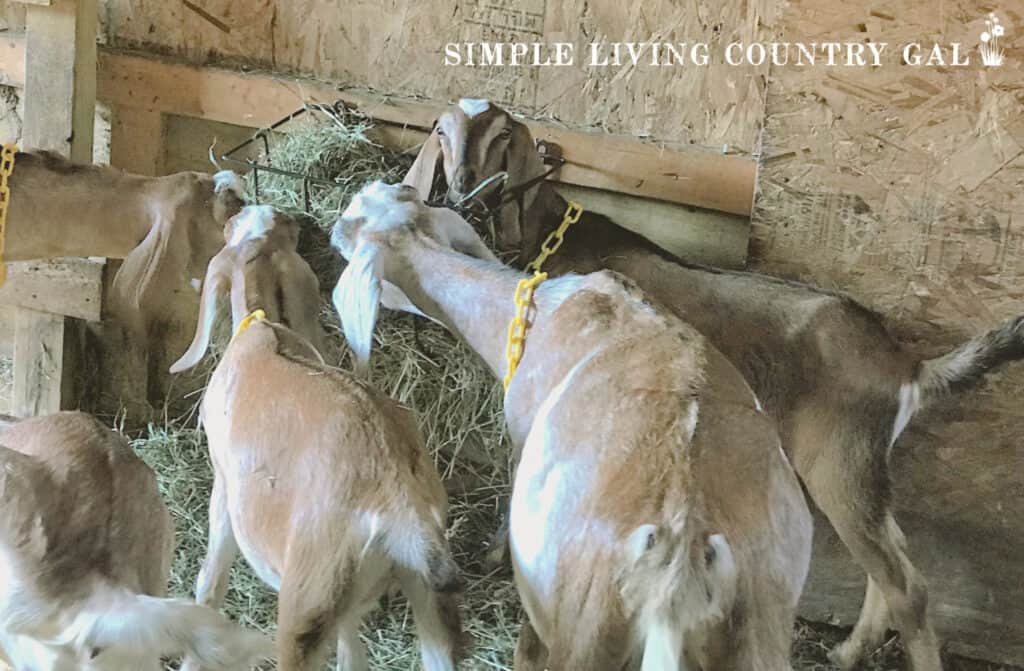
column 524, row 290
column 6, row 168
column 254, row 316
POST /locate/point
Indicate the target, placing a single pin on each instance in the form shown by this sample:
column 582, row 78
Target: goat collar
column 6, row 168
column 254, row 316
column 525, row 288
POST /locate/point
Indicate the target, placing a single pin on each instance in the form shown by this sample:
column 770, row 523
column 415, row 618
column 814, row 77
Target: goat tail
column 958, row 370
column 140, row 625
column 966, row 365
column 676, row 594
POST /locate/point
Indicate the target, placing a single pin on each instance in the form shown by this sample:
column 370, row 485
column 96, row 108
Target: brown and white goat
column 85, row 553
column 840, row 386
column 322, row 481
column 653, row 509
column 165, row 228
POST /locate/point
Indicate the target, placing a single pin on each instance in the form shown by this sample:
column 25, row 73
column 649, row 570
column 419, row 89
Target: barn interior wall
column 901, row 185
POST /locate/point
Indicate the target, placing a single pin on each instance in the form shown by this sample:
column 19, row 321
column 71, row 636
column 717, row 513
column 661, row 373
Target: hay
column 458, row 404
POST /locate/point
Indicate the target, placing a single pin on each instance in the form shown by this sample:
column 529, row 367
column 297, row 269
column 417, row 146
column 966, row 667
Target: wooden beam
column 625, row 165
column 620, row 164
column 12, row 59
column 69, row 287
column 39, row 364
column 60, row 108
column 60, row 87
column 137, row 140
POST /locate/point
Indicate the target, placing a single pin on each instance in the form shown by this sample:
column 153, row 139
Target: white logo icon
column 991, row 52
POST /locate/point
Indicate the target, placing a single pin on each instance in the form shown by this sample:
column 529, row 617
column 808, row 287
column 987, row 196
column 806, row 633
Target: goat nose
column 464, row 179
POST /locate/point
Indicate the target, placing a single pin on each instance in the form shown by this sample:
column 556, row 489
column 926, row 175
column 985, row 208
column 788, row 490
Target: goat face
column 370, row 234
column 474, row 141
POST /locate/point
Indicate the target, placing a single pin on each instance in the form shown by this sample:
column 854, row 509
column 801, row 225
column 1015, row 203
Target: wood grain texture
column 596, row 160
column 397, row 46
column 902, row 186
column 39, row 363
column 69, row 287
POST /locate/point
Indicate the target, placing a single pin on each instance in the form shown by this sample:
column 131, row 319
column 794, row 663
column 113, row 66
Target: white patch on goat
column 379, row 204
column 227, row 180
column 252, row 222
column 691, row 420
column 536, row 499
column 262, row 568
column 552, row 293
column 473, row 106
column 910, row 403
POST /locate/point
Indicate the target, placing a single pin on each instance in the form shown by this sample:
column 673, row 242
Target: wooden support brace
column 60, row 104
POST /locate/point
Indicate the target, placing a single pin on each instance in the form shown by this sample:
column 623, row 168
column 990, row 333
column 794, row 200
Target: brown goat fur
column 85, row 550
column 840, row 386
column 165, row 228
column 638, row 444
column 321, row 481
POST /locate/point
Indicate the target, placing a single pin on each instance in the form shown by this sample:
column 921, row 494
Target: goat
column 652, row 504
column 85, row 553
column 165, row 228
column 322, row 481
column 840, row 386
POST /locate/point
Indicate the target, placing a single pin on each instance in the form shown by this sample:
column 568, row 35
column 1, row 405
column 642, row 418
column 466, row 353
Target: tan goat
column 165, row 228
column 323, row 482
column 653, row 509
column 85, row 553
column 840, row 386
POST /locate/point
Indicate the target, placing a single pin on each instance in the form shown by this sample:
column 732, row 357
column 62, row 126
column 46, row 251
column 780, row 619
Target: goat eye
column 440, row 133
column 505, row 133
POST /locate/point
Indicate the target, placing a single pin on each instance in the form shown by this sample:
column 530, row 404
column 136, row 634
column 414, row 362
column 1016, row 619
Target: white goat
column 85, row 552
column 323, row 482
column 638, row 441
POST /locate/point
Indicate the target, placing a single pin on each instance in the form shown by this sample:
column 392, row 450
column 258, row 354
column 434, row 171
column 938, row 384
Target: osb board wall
column 905, row 187
column 397, row 46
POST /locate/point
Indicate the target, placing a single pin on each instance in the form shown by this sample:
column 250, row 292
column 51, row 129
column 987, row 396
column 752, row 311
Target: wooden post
column 60, row 77
column 60, row 106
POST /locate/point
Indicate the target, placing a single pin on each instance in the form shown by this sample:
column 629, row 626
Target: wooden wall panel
column 903, row 186
column 397, row 46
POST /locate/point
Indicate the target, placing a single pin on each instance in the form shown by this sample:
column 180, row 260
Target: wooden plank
column 137, row 140
column 697, row 235
column 619, row 164
column 7, row 316
column 69, row 287
column 12, row 59
column 39, row 363
column 60, row 87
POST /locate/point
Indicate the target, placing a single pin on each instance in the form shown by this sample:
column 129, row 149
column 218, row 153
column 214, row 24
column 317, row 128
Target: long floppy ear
column 421, row 174
column 516, row 229
column 154, row 269
column 357, row 300
column 216, row 284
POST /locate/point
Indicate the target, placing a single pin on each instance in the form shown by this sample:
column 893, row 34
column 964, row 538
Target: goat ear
column 421, row 174
column 642, row 540
column 357, row 301
column 153, row 268
column 517, row 229
column 215, row 285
